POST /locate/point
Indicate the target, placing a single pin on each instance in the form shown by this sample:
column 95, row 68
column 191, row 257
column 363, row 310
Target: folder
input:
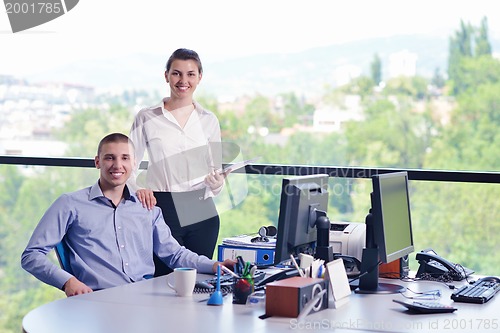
column 255, row 255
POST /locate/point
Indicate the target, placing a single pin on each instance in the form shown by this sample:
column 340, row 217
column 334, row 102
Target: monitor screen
column 388, row 230
column 392, row 219
column 301, row 198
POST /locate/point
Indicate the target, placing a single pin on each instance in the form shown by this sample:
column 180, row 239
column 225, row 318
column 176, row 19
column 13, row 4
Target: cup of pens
column 243, row 281
column 243, row 287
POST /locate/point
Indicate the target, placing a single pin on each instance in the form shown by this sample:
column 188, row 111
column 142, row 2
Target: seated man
column 111, row 236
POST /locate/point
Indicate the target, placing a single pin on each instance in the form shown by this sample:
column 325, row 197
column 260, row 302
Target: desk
column 150, row 306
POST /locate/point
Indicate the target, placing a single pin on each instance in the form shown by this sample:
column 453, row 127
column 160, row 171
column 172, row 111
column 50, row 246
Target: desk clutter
column 285, row 292
column 305, row 285
column 323, row 262
column 226, row 283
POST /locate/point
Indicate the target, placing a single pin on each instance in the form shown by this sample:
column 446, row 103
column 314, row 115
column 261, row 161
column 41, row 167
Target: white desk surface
column 151, row 306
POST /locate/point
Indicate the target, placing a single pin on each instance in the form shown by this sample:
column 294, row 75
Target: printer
column 348, row 238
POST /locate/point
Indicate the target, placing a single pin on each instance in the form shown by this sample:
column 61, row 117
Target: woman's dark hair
column 184, row 54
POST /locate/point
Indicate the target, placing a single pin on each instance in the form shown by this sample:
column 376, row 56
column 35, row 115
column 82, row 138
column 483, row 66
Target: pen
column 240, row 264
column 320, row 271
column 246, row 271
column 296, row 266
column 227, row 270
column 252, row 271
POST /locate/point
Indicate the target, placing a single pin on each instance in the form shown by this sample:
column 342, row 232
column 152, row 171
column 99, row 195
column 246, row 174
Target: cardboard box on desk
column 286, row 298
column 396, row 269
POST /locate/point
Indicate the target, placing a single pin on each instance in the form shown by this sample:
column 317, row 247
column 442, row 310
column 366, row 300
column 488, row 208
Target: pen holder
column 243, row 287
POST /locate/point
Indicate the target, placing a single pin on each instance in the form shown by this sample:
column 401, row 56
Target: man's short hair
column 114, row 138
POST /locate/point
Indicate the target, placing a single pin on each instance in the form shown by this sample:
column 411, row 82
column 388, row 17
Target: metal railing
column 486, row 177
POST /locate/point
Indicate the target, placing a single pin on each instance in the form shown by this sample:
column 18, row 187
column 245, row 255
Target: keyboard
column 284, row 274
column 480, row 292
column 225, row 279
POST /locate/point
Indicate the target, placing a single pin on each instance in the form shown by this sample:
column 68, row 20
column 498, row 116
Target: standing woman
column 182, row 140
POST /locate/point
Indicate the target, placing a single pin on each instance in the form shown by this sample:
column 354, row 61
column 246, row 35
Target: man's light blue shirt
column 109, row 245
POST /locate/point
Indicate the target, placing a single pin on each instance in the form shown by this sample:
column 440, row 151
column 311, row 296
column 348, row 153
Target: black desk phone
column 434, row 266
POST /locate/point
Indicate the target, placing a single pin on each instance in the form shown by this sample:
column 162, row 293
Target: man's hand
column 74, row 287
column 226, row 263
column 146, row 197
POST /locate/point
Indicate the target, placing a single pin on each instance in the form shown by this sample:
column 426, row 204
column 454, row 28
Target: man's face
column 116, row 163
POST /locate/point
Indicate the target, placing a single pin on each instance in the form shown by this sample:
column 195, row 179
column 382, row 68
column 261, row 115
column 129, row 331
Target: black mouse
column 490, row 279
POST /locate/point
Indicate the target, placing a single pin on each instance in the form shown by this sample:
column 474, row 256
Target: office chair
column 62, row 254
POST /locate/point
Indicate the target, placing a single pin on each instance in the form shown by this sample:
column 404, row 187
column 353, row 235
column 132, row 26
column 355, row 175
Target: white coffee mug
column 184, row 281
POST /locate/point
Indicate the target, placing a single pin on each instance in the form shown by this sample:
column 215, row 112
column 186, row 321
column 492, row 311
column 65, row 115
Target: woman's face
column 183, row 78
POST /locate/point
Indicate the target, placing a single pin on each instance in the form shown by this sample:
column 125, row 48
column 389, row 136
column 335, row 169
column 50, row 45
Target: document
column 226, row 171
column 246, row 241
column 238, row 165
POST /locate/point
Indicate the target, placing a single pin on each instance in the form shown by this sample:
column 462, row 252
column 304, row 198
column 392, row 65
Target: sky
column 223, row 29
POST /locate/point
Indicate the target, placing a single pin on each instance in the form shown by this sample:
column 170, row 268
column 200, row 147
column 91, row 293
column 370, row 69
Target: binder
column 259, row 256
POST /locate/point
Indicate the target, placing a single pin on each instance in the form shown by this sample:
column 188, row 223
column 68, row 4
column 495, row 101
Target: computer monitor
column 303, row 200
column 388, row 230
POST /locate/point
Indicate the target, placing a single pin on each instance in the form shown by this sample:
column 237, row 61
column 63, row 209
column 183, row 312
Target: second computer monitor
column 302, row 198
column 388, row 230
column 391, row 211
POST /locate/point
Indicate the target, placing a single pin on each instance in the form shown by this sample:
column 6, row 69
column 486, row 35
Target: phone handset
column 434, row 265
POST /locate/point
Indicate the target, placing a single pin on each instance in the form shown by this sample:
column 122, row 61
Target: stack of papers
column 226, row 171
column 232, row 167
column 246, row 241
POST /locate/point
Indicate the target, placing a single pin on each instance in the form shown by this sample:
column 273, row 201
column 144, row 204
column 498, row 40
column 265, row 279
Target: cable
column 446, row 280
column 437, row 277
column 430, row 294
column 367, row 272
column 465, row 276
column 391, row 275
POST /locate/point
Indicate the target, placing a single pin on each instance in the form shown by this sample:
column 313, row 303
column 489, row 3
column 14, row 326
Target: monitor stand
column 368, row 281
column 323, row 249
